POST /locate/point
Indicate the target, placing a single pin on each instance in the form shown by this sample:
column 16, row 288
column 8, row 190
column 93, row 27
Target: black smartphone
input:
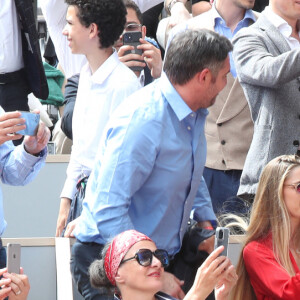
column 221, row 239
column 32, row 121
column 13, row 258
column 132, row 38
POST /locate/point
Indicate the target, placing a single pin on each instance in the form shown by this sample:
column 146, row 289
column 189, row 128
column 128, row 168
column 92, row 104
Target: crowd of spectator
column 194, row 121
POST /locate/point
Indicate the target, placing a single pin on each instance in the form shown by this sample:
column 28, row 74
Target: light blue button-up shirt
column 148, row 170
column 221, row 28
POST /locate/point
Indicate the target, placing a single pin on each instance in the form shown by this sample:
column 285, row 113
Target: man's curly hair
column 109, row 15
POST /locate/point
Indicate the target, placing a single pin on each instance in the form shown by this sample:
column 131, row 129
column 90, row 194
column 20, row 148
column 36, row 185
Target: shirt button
column 189, row 128
column 220, row 124
column 192, row 115
column 223, row 161
column 223, row 142
column 296, row 143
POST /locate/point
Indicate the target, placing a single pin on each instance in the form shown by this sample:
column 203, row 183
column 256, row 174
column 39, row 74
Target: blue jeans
column 83, row 254
column 223, row 187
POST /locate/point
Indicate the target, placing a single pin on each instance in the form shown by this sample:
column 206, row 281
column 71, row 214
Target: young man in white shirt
column 104, row 82
column 92, row 29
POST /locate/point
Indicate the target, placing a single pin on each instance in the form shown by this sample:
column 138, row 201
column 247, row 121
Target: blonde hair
column 269, row 215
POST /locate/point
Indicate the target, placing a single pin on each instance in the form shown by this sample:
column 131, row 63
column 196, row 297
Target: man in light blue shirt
column 148, row 170
column 18, row 165
column 229, row 127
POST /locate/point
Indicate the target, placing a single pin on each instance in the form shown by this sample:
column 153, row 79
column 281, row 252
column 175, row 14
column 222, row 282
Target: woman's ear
column 119, row 277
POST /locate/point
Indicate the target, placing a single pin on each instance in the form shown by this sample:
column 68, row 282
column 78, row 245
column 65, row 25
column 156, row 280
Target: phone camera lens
column 221, row 234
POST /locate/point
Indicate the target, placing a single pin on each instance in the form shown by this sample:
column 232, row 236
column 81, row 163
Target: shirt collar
column 105, row 69
column 180, row 108
column 284, row 28
column 249, row 15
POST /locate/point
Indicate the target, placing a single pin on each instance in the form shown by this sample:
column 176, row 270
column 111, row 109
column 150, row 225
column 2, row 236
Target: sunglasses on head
column 296, row 186
column 133, row 27
column 144, row 257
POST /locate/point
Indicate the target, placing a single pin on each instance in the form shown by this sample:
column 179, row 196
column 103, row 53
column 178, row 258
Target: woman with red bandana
column 134, row 268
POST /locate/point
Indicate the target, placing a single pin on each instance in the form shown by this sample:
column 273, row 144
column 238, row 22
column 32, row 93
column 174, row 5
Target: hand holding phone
column 132, row 38
column 13, row 258
column 221, row 239
column 32, row 123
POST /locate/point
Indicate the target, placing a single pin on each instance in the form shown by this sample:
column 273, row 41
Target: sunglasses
column 296, row 186
column 132, row 27
column 144, row 257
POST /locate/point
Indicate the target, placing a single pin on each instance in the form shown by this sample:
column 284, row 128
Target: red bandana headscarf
column 118, row 249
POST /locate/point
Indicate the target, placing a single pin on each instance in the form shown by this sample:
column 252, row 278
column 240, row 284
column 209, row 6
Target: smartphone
column 221, row 239
column 32, row 123
column 132, row 38
column 13, row 258
column 51, row 147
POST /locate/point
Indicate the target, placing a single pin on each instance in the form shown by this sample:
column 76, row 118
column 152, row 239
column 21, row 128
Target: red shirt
column 269, row 280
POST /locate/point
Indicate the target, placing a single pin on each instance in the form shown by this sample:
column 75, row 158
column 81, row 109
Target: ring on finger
column 18, row 292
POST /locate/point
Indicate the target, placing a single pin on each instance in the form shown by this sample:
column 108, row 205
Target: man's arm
column 122, row 165
column 204, row 214
column 74, row 172
column 19, row 165
column 257, row 66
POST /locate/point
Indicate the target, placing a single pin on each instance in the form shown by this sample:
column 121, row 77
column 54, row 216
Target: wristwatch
column 168, row 6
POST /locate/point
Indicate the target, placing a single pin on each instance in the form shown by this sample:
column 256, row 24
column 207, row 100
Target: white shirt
column 147, row 4
column 11, row 58
column 284, row 28
column 54, row 12
column 98, row 96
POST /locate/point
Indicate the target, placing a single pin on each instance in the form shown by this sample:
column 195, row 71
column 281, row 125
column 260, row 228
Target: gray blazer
column 269, row 72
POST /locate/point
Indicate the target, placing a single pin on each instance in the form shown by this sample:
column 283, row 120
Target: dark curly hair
column 109, row 15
